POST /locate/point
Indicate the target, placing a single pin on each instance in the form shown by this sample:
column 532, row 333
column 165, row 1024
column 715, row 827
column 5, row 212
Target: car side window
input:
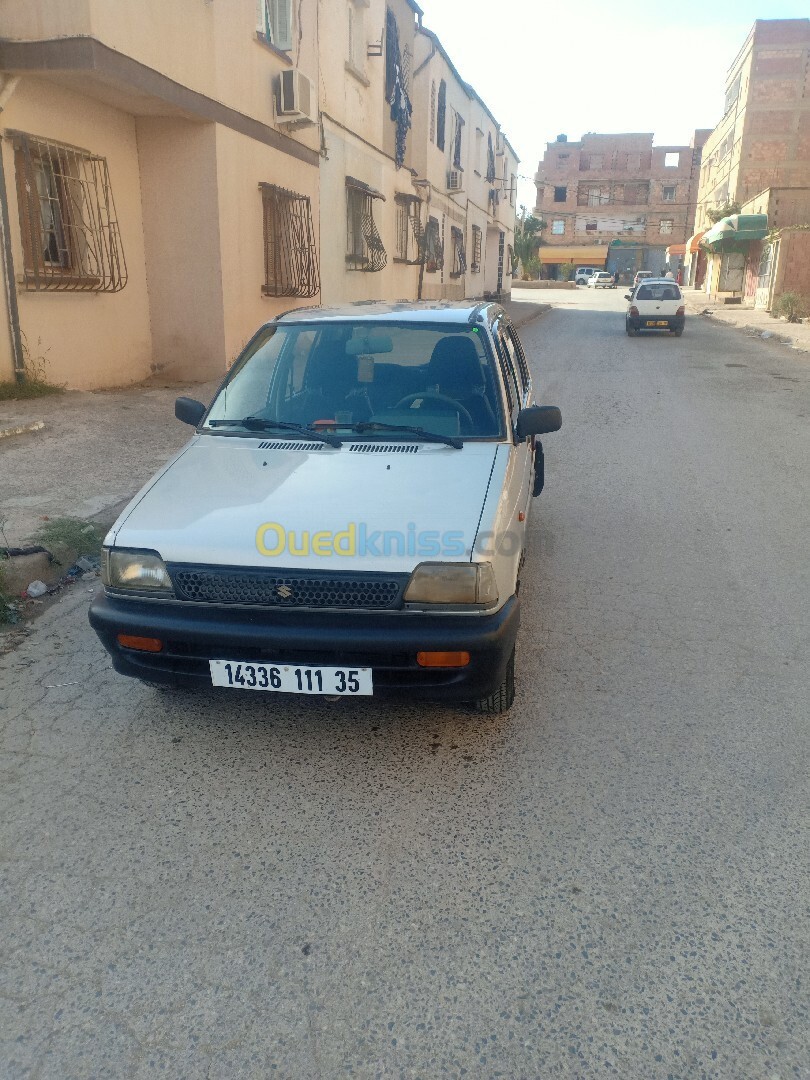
column 510, row 374
column 518, row 359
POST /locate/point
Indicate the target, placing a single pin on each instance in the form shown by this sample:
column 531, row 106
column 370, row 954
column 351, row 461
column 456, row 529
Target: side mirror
column 538, row 420
column 628, row 296
column 189, row 411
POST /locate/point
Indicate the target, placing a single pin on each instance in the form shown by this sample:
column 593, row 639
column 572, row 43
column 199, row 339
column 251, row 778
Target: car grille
column 287, row 589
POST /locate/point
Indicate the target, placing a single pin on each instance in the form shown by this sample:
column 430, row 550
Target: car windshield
column 342, row 373
column 662, row 291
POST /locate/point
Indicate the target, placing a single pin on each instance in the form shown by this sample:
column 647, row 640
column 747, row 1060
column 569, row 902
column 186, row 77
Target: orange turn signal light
column 142, row 644
column 443, row 659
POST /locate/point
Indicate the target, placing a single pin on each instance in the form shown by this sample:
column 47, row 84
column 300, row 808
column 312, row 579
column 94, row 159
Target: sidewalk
column 756, row 323
column 94, row 452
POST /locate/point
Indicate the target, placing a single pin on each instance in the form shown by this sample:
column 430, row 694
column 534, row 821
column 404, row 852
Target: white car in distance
column 601, row 281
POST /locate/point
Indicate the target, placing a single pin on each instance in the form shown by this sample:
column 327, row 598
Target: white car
column 655, row 304
column 601, row 281
column 583, row 274
column 348, row 519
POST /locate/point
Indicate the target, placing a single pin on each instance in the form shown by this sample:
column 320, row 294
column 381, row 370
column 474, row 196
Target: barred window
column 364, row 247
column 459, row 254
column 475, row 264
column 290, row 250
column 434, row 253
column 68, row 220
column 408, row 228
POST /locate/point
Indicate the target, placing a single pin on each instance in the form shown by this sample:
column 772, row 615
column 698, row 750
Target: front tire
column 503, row 698
column 678, row 333
column 630, row 331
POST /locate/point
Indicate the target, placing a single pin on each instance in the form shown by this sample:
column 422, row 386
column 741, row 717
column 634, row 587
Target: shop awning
column 580, row 256
column 694, row 241
column 676, row 249
column 735, row 233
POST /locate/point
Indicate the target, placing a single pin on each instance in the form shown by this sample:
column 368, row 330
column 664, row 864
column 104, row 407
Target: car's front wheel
column 630, row 331
column 678, row 332
column 503, row 698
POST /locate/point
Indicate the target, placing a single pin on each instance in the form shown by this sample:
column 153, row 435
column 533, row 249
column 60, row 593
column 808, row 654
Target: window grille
column 434, row 253
column 68, row 221
column 667, row 225
column 433, row 112
column 459, row 254
column 408, row 228
column 290, row 250
column 475, row 264
column 441, row 114
column 364, row 247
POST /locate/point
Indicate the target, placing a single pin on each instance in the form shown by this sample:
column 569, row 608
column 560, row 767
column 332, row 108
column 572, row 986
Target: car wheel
column 678, row 333
column 501, row 701
column 630, row 331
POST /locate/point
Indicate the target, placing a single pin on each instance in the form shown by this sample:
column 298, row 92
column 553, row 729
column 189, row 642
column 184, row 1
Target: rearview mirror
column 628, row 296
column 189, row 411
column 538, row 420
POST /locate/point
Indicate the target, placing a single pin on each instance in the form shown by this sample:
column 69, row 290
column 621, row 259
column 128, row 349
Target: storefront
column 731, row 245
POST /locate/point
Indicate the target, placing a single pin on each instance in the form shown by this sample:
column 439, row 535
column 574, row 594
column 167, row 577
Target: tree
column 527, row 236
column 723, row 211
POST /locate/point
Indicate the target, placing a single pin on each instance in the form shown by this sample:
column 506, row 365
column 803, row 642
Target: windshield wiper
column 429, row 436
column 261, row 423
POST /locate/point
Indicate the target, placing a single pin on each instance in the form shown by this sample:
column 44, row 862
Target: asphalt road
column 609, row 881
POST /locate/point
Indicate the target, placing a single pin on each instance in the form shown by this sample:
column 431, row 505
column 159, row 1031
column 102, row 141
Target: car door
column 520, row 472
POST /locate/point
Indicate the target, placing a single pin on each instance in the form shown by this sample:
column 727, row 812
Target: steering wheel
column 431, row 395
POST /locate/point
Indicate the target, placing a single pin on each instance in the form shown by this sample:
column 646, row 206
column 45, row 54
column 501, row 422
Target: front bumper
column 386, row 641
column 673, row 322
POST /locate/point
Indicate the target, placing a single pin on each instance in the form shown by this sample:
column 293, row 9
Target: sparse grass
column 31, row 388
column 83, row 537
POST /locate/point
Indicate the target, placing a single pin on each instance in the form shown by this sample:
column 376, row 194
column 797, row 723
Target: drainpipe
column 7, row 255
column 422, row 253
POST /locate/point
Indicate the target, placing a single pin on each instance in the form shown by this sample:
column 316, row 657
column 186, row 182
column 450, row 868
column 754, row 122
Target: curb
column 529, row 317
column 23, row 429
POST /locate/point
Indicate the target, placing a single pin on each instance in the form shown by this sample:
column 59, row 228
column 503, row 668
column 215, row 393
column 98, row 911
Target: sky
column 546, row 67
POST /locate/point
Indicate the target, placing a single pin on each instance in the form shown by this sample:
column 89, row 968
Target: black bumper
column 673, row 322
column 387, row 642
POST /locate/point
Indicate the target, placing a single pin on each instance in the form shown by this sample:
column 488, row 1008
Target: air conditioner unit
column 455, row 180
column 295, row 98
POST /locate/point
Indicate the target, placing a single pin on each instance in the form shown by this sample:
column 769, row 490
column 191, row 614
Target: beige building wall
column 88, row 339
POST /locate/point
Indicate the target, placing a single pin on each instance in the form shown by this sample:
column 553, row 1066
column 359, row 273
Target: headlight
column 452, row 583
column 138, row 570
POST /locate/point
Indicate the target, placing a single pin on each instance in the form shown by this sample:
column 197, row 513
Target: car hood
column 211, row 501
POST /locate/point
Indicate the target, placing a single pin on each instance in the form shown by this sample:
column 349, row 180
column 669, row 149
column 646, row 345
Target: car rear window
column 658, row 292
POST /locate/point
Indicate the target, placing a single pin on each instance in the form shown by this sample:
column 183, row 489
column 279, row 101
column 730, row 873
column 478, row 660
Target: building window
column 441, row 114
column 357, row 38
column 672, row 160
column 434, row 255
column 590, row 226
column 732, row 93
column 562, row 158
column 68, row 221
column 459, row 255
column 458, row 134
column 667, row 225
column 408, row 227
column 560, row 194
column 433, row 111
column 274, row 23
column 364, row 247
column 479, row 150
column 558, row 227
column 290, row 250
column 668, row 193
column 392, row 53
column 475, row 265
column 593, row 195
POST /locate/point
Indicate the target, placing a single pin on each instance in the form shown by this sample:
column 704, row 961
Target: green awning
column 735, row 233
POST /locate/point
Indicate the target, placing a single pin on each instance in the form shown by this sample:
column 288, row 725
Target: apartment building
column 174, row 175
column 469, row 171
column 763, row 138
column 616, row 200
column 156, row 206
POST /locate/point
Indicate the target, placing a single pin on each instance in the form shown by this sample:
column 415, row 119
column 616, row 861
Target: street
column 611, row 880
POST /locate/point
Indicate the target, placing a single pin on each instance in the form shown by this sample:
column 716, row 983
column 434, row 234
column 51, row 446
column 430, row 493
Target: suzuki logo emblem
column 284, row 591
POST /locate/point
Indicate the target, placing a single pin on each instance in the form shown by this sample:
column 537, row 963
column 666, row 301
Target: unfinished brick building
column 616, row 200
column 763, row 138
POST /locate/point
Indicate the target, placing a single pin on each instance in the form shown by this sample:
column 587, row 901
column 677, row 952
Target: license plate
column 292, row 679
column 659, row 322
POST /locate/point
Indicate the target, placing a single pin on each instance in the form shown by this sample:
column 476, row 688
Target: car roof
column 439, row 311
